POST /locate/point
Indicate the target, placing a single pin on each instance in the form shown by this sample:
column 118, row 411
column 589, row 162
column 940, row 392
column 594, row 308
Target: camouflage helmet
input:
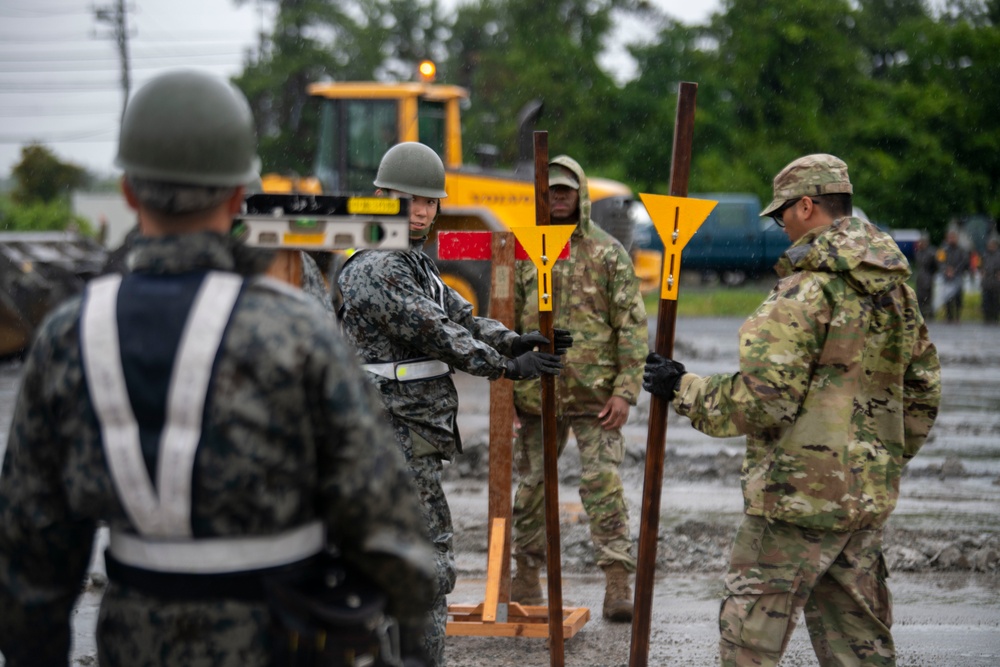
column 809, row 176
column 189, row 128
column 412, row 168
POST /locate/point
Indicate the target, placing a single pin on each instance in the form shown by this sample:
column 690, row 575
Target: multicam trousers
column 601, row 455
column 426, row 472
column 838, row 579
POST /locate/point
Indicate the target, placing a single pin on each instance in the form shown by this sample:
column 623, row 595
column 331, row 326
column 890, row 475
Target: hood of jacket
column 583, row 225
column 867, row 258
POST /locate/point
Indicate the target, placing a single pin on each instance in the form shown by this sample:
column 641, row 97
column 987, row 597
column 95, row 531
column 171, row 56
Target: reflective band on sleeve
column 217, row 555
column 409, row 371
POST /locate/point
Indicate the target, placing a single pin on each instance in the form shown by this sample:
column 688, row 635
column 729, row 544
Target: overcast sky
column 60, row 72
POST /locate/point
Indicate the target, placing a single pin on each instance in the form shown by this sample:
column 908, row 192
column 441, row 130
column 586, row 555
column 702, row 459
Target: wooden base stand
column 492, row 618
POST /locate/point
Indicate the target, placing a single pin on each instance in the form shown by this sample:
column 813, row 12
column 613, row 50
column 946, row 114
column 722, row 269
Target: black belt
column 247, row 586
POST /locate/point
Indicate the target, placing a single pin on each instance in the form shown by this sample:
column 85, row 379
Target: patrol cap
column 560, row 175
column 809, row 176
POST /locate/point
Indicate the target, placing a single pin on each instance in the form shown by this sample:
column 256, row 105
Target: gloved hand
column 564, row 340
column 532, row 364
column 662, row 376
column 528, row 342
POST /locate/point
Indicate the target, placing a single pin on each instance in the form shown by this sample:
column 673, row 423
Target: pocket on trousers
column 883, row 596
column 758, row 609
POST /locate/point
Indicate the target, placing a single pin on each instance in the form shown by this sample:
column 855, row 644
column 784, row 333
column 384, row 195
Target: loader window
column 431, row 125
column 354, row 135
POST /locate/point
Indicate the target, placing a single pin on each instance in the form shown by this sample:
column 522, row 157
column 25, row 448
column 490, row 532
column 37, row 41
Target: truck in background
column 732, row 245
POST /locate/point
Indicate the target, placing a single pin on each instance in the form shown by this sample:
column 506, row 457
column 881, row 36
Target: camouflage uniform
column 396, row 308
column 596, row 298
column 925, row 264
column 989, row 269
column 291, row 433
column 954, row 261
column 837, row 390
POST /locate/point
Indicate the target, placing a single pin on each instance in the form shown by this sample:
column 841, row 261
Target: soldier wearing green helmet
column 211, row 418
column 412, row 331
column 838, row 388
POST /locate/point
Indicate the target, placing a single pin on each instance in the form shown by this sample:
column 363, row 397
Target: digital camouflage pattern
column 777, row 570
column 292, row 433
column 596, row 298
column 396, row 308
column 809, row 176
column 838, row 386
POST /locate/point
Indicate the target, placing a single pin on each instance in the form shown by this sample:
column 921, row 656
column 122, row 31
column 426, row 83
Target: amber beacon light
column 427, row 70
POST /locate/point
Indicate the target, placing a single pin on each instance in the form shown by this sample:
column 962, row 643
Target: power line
column 93, row 66
column 77, row 56
column 82, row 136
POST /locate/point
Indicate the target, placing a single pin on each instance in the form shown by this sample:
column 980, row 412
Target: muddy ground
column 942, row 543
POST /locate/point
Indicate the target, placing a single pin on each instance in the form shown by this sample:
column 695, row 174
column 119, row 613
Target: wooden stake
column 502, row 405
column 649, row 525
column 553, row 549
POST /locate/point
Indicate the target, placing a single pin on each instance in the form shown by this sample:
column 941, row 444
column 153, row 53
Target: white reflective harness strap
column 106, row 385
column 199, row 345
column 216, row 555
column 409, row 371
column 169, row 513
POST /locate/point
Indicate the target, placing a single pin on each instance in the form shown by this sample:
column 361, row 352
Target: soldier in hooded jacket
column 208, row 416
column 596, row 296
column 411, row 331
column 837, row 390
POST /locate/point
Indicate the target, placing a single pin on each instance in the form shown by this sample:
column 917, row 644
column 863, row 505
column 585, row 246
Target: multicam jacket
column 838, row 385
column 596, row 297
column 291, row 433
column 396, row 308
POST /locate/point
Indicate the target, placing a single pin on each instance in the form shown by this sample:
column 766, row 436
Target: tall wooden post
column 657, row 434
column 546, row 321
column 502, row 403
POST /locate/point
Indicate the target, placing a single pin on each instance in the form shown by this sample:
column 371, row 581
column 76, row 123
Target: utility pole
column 116, row 17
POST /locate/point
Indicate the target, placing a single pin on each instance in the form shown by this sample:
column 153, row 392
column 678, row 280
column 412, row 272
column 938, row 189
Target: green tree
column 42, row 178
column 315, row 40
column 511, row 52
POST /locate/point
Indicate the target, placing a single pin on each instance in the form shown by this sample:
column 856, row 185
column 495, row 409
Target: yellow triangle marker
column 544, row 244
column 676, row 220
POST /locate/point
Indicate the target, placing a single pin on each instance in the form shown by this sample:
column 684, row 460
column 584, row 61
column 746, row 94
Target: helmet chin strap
column 422, row 235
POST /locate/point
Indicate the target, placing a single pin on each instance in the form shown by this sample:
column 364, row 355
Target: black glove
column 662, row 376
column 532, row 364
column 528, row 342
column 564, row 340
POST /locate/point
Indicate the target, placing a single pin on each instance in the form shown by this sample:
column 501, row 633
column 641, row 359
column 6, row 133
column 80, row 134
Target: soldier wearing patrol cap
column 597, row 298
column 837, row 390
column 209, row 416
column 412, row 331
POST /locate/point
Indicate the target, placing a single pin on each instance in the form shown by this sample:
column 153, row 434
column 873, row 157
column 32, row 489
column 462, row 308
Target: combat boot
column 618, row 594
column 524, row 587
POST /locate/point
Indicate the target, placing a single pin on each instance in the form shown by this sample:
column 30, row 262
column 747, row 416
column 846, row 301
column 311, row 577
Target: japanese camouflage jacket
column 838, row 386
column 396, row 308
column 292, row 432
column 596, row 297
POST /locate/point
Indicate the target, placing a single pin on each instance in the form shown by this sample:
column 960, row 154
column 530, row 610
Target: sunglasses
column 779, row 215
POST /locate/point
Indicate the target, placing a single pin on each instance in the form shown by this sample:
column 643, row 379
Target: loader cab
column 359, row 122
